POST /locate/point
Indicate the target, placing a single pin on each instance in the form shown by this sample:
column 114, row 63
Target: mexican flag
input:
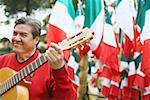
column 73, row 62
column 109, row 47
column 61, row 24
column 132, row 71
column 125, row 12
column 143, row 21
column 125, row 15
column 145, row 64
column 94, row 19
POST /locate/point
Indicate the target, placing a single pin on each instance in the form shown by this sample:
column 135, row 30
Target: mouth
column 16, row 44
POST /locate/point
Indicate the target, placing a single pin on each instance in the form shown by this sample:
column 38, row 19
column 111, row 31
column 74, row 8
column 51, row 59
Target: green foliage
column 7, row 22
column 52, row 3
column 15, row 6
column 5, row 51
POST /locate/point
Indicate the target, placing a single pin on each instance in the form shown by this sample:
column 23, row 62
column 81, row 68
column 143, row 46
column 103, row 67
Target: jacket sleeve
column 63, row 86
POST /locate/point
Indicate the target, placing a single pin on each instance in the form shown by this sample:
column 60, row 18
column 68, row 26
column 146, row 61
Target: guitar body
column 18, row 92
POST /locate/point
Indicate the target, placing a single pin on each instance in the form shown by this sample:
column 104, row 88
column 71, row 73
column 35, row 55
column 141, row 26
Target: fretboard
column 23, row 73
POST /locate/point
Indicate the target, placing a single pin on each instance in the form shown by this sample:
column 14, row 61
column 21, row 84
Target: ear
column 37, row 39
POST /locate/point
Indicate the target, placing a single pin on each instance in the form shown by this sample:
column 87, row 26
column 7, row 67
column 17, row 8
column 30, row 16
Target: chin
column 16, row 50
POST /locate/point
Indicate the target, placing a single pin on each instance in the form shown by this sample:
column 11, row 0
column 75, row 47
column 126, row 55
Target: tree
column 15, row 6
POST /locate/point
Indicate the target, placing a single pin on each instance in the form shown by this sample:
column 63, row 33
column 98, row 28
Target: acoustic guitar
column 12, row 85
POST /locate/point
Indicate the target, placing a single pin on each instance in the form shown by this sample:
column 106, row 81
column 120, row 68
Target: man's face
column 22, row 40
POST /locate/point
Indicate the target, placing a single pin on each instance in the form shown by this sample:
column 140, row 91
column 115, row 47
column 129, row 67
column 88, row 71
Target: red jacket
column 45, row 82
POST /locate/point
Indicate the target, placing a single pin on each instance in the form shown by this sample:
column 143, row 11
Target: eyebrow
column 20, row 32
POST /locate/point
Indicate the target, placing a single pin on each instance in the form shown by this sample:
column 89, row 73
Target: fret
column 0, row 89
column 32, row 68
column 21, row 74
column 38, row 63
column 0, row 93
column 41, row 59
column 33, row 64
column 11, row 81
column 14, row 79
column 6, row 88
column 9, row 85
column 24, row 72
column 28, row 70
column 3, row 87
column 44, row 58
column 18, row 76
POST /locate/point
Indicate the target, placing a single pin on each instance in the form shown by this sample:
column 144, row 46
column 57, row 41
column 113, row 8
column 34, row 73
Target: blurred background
column 115, row 64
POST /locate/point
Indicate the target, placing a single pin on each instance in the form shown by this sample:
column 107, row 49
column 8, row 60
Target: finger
column 47, row 56
column 56, row 47
column 50, row 55
column 55, row 54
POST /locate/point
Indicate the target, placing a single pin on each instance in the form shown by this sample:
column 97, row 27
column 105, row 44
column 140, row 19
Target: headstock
column 78, row 39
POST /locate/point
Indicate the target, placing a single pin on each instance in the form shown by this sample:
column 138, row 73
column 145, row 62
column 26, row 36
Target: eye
column 23, row 34
column 14, row 33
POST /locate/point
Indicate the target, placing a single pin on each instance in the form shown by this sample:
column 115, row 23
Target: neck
column 25, row 56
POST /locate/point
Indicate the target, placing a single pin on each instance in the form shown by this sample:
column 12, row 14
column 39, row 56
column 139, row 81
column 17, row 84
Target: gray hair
column 36, row 24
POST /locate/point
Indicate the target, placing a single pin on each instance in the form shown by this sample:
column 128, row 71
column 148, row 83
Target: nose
column 17, row 37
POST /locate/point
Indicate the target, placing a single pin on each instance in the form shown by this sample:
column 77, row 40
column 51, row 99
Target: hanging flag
column 109, row 47
column 73, row 62
column 132, row 71
column 61, row 24
column 94, row 19
column 124, row 90
column 125, row 15
column 145, row 39
column 106, row 76
column 143, row 22
column 125, row 12
column 123, row 63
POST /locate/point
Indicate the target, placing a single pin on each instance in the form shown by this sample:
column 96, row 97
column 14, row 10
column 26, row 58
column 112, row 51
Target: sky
column 6, row 30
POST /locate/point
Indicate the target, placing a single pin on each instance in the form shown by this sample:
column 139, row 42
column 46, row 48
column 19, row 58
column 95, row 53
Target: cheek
column 12, row 39
column 28, row 43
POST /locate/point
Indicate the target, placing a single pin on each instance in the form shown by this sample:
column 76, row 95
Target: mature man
column 51, row 80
